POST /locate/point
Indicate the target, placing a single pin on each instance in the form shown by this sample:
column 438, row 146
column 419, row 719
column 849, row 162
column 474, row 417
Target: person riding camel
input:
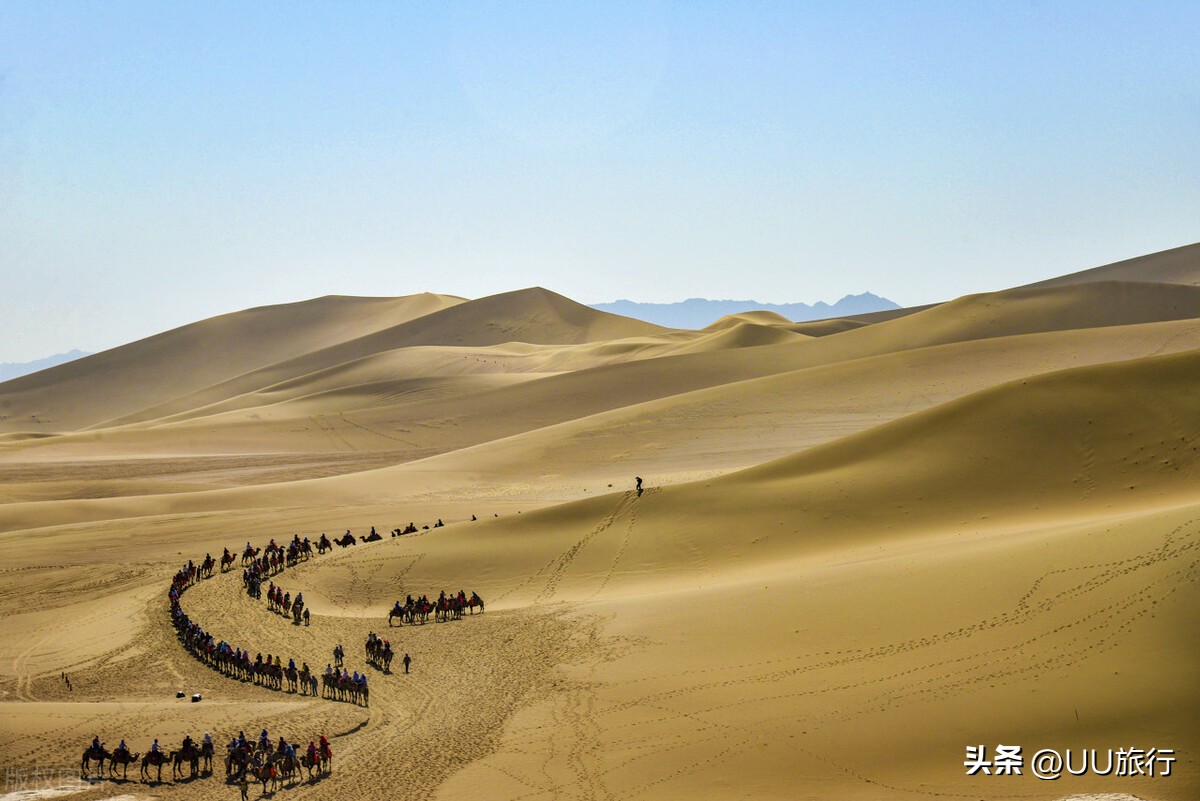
column 304, row 668
column 95, row 743
column 328, row 669
column 291, row 664
column 154, row 747
column 290, row 750
column 312, row 752
column 122, row 748
column 187, row 743
column 262, row 738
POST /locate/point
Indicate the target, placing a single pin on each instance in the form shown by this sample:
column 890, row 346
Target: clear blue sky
column 164, row 162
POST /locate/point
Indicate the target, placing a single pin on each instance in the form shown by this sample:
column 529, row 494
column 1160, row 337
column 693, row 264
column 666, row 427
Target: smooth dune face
column 143, row 374
column 863, row 545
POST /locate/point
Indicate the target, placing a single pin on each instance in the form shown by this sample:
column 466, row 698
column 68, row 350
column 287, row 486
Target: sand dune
column 863, row 546
column 142, row 374
column 1179, row 265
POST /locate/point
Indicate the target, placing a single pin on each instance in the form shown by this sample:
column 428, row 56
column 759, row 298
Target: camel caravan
column 447, row 607
column 187, row 758
column 273, row 765
column 234, row 661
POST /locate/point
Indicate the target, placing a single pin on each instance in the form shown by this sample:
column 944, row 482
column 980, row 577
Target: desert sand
column 863, row 544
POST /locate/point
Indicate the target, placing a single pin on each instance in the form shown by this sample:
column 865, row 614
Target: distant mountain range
column 699, row 312
column 10, row 370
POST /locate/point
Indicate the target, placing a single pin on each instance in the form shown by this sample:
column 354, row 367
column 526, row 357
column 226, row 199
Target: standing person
column 407, row 662
column 639, row 484
column 244, row 785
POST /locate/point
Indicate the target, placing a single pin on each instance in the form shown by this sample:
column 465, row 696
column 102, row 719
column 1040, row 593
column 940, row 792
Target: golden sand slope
column 148, row 372
column 1175, row 266
column 984, row 528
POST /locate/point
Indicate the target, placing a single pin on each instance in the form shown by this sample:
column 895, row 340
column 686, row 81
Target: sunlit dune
column 861, row 545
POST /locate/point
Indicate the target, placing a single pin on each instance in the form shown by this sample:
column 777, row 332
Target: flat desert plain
column 862, row 546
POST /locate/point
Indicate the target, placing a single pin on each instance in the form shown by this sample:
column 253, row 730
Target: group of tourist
column 235, row 661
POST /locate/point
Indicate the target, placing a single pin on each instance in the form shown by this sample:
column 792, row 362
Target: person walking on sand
column 639, row 484
column 407, row 662
column 244, row 785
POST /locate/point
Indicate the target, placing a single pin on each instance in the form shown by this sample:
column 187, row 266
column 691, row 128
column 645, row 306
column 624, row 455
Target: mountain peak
column 697, row 313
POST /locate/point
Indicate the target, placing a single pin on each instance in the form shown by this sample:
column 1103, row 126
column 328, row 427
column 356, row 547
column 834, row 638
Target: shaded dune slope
column 151, row 371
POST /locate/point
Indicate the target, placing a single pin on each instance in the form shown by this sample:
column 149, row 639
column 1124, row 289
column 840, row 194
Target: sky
column 161, row 163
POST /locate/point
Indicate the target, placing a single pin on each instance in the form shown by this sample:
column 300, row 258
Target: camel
column 124, row 759
column 286, row 765
column 267, row 773
column 98, row 754
column 311, row 764
column 191, row 755
column 236, row 761
column 475, row 601
column 156, row 758
column 292, row 677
